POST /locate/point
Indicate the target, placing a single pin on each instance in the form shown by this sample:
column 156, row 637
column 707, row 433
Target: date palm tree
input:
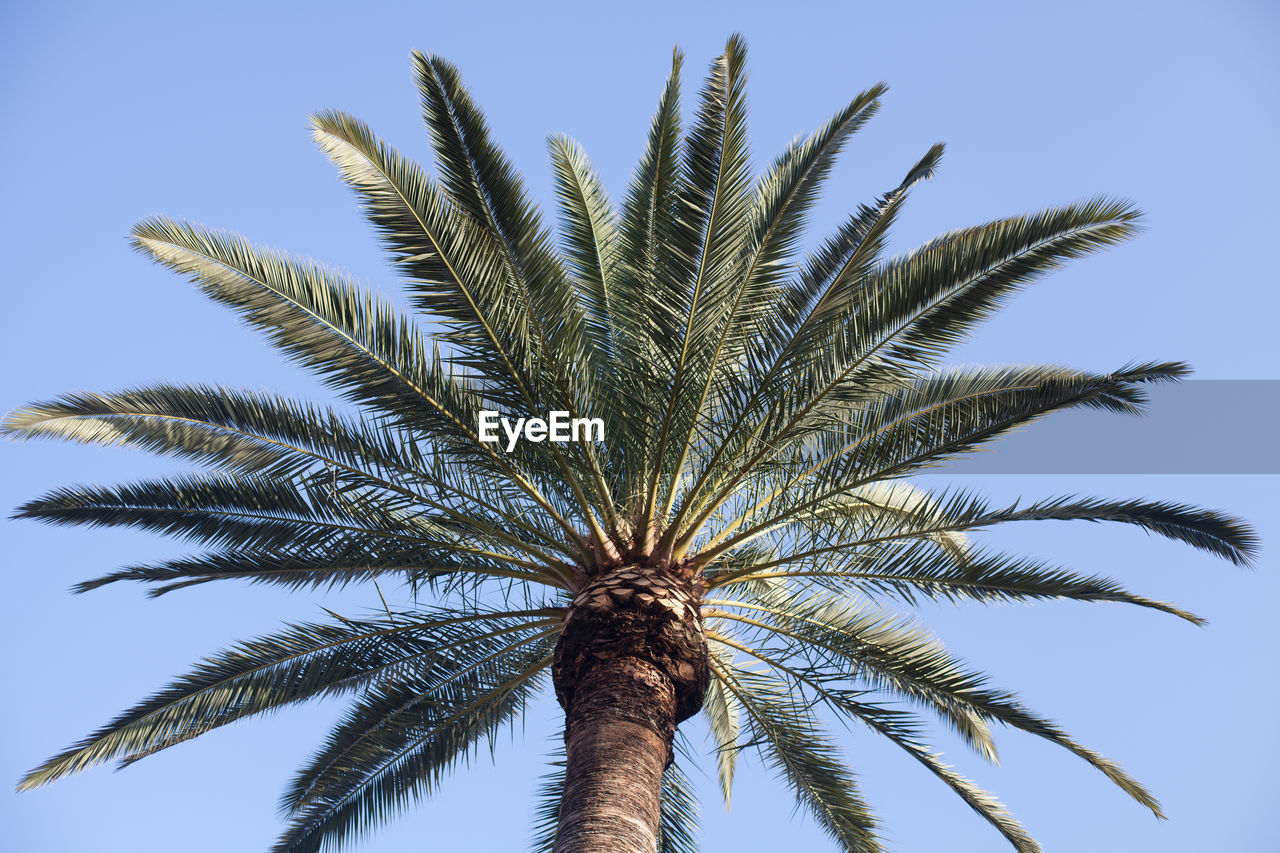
column 741, row 543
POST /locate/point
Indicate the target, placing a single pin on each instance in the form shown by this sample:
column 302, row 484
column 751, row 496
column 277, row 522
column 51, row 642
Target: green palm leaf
column 790, row 741
column 398, row 742
column 303, row 662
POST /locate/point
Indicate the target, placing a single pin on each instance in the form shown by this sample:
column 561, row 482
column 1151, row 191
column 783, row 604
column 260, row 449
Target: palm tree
column 740, row 542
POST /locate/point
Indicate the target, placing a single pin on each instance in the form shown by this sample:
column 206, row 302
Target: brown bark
column 631, row 664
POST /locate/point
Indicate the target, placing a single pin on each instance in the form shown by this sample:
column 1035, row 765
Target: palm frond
column 922, row 423
column 591, row 237
column 782, row 199
column 480, row 180
column 791, row 741
column 396, row 744
column 232, row 429
column 252, row 433
column 820, row 297
column 910, row 311
column 244, row 512
column 454, row 270
column 1206, row 529
column 648, row 220
column 300, row 663
column 354, row 340
column 919, row 571
column 852, row 640
column 723, row 715
column 905, row 731
column 703, row 259
column 329, row 568
column 906, row 661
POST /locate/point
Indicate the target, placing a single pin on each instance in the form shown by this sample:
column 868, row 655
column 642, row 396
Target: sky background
column 113, row 112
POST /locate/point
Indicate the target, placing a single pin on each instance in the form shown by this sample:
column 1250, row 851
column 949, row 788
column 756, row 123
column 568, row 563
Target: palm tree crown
column 742, row 538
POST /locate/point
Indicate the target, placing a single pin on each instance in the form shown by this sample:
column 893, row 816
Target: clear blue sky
column 113, row 112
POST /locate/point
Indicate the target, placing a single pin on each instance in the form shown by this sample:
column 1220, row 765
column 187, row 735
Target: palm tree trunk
column 618, row 737
column 631, row 665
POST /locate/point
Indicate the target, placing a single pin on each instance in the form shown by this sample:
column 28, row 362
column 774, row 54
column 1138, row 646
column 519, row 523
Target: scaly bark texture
column 631, row 665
